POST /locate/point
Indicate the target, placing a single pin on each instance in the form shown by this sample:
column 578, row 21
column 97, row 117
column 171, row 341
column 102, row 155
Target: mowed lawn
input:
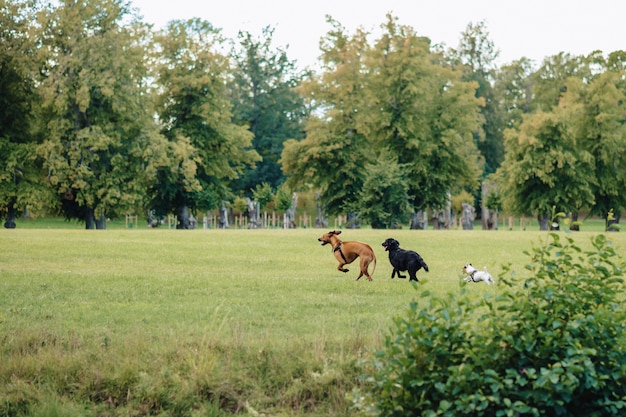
column 143, row 295
column 259, row 285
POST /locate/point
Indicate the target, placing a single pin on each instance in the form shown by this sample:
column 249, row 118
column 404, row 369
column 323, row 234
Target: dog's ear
column 337, row 232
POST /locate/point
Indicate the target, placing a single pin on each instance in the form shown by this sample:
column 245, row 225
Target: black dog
column 404, row 260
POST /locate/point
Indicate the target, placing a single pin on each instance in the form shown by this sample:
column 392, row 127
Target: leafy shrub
column 549, row 344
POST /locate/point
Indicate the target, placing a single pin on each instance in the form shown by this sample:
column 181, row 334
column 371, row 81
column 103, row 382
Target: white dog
column 474, row 275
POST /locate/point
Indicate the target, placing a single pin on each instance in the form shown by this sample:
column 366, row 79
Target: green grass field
column 210, row 322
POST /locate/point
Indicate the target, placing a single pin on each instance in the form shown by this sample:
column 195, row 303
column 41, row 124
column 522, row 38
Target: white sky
column 530, row 28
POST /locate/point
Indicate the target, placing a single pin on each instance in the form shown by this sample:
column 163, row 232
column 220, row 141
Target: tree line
column 102, row 114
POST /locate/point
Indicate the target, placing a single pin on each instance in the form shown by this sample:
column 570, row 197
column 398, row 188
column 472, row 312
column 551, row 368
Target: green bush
column 550, row 344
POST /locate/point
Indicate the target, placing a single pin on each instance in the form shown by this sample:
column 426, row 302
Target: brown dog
column 347, row 252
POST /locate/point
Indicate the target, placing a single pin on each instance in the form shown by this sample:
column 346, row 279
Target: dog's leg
column 397, row 272
column 365, row 263
column 341, row 268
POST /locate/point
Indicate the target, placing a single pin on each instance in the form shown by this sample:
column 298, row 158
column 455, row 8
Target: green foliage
column 336, row 147
column 478, row 55
column 424, row 113
column 395, row 96
column 579, row 102
column 265, row 99
column 494, row 200
column 544, row 167
column 611, row 222
column 21, row 179
column 263, row 194
column 602, row 109
column 93, row 52
column 282, row 198
column 384, row 199
column 205, row 148
column 513, row 87
column 550, row 343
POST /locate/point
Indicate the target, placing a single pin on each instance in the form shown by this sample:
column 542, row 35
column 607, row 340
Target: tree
column 477, row 53
column 384, row 201
column 331, row 157
column 545, row 167
column 602, row 132
column 424, row 113
column 549, row 82
column 207, row 150
column 20, row 176
column 264, row 97
column 513, row 87
column 95, row 113
column 393, row 98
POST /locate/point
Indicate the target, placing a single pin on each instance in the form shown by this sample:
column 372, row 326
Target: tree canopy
column 206, row 149
column 94, row 107
column 103, row 115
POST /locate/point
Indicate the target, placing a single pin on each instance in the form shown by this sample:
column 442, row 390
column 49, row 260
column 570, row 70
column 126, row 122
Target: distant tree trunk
column 441, row 219
column 320, row 220
column 101, row 223
column 90, row 219
column 544, row 221
column 489, row 219
column 419, row 221
column 289, row 218
column 352, row 221
column 223, row 218
column 253, row 213
column 182, row 216
column 467, row 220
column 10, row 223
column 484, row 212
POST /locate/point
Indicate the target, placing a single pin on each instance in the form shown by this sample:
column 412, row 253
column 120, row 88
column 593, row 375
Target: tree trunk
column 183, row 217
column 289, row 218
column 223, row 218
column 10, row 223
column 544, row 221
column 467, row 220
column 419, row 221
column 320, row 221
column 352, row 221
column 101, row 223
column 253, row 213
column 90, row 219
column 484, row 210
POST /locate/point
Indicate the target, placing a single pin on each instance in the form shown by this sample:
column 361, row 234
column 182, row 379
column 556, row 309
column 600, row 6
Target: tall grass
column 208, row 322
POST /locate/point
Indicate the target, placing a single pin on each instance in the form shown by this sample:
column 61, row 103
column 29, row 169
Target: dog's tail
column 489, row 277
column 423, row 263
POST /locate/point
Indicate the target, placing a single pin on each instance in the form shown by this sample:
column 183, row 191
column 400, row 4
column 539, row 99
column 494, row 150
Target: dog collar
column 338, row 248
column 472, row 275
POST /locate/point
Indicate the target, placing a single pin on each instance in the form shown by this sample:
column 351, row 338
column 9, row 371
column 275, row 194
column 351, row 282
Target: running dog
column 404, row 260
column 347, row 252
column 474, row 275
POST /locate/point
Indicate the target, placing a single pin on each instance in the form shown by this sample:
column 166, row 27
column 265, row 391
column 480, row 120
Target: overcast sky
column 530, row 28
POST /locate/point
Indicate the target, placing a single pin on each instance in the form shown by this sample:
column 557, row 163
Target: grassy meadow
column 129, row 322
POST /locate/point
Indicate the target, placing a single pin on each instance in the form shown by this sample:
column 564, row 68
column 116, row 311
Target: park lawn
column 212, row 322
